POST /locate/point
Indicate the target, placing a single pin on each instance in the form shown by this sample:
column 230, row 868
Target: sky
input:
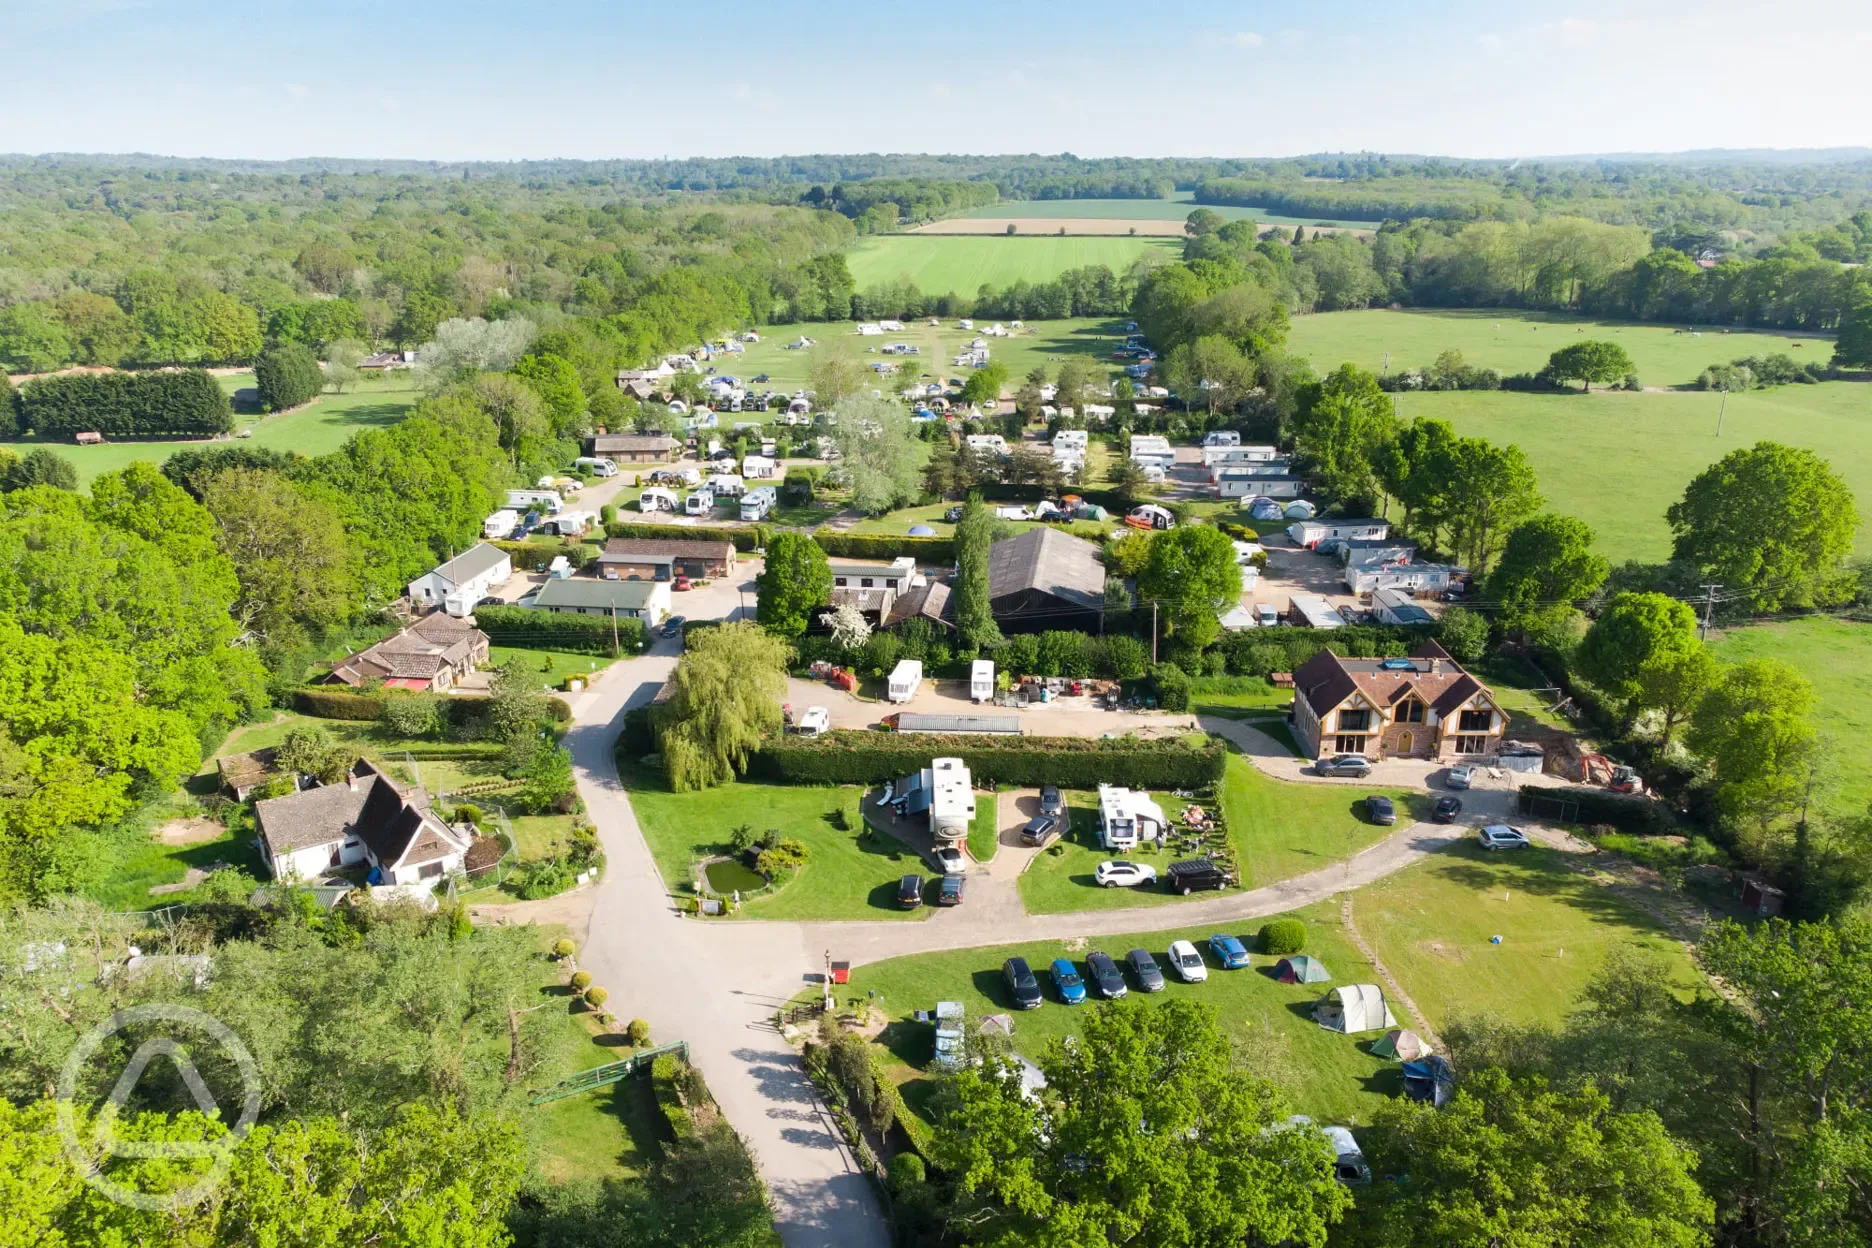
column 474, row 80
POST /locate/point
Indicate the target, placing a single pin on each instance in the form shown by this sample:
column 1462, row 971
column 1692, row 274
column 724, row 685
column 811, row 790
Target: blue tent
column 922, row 530
column 1429, row 1079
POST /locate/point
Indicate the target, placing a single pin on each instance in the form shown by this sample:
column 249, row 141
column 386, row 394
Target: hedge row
column 860, row 757
column 331, row 702
column 1000, row 492
column 548, row 630
column 126, row 405
column 538, row 556
column 1641, row 815
column 925, row 550
column 744, row 539
column 666, row 1077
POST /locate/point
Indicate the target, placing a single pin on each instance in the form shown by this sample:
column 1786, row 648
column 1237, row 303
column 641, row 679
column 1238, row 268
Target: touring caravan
column 700, row 503
column 656, row 498
column 524, row 500
column 905, row 678
column 597, row 465
column 501, row 524
column 982, row 680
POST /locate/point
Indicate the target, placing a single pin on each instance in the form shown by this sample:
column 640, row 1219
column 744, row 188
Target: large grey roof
column 395, row 822
column 1051, row 562
column 476, row 561
column 578, row 592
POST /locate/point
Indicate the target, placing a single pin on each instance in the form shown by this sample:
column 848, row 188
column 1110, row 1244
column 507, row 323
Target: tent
column 1301, row 969
column 1354, row 1008
column 1402, row 1044
column 1299, row 509
column 922, row 530
column 1430, row 1079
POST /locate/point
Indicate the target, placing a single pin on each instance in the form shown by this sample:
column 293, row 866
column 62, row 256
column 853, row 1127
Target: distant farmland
column 962, row 263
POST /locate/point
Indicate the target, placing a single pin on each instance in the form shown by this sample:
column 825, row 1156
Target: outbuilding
column 648, row 601
column 1045, row 580
column 658, row 559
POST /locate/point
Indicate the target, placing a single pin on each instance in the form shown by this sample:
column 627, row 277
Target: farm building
column 1252, row 483
column 648, row 601
column 929, row 601
column 459, row 584
column 1423, row 706
column 365, row 818
column 659, row 559
column 1044, row 580
column 241, row 774
column 1397, row 606
column 430, row 656
column 633, row 448
column 1310, row 533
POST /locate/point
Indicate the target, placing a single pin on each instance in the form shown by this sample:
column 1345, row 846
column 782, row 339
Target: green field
column 1140, row 210
column 1042, row 344
column 963, row 263
column 1617, row 460
column 1520, row 342
column 1837, row 656
column 313, row 430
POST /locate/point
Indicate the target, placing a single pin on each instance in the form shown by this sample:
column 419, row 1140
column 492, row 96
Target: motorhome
column 699, row 503
column 755, row 504
column 597, row 465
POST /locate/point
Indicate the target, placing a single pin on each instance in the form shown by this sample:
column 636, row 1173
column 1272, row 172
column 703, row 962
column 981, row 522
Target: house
column 463, row 581
column 1416, row 578
column 1127, row 817
column 1257, row 482
column 1397, row 606
column 658, row 559
column 1423, row 706
column 430, row 656
column 384, row 361
column 633, row 448
column 873, row 573
column 365, row 818
column 1310, row 533
column 648, row 601
column 1045, row 579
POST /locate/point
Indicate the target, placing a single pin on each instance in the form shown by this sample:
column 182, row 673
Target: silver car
column 1344, row 765
column 1501, row 836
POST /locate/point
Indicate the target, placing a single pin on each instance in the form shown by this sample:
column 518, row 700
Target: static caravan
column 501, row 524
column 699, row 503
column 905, row 679
column 1310, row 533
column 759, row 467
column 982, row 680
column 1221, row 437
column 1252, row 483
column 952, row 799
column 524, row 500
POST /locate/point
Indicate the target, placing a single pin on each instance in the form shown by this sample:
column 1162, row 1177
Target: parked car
column 672, row 627
column 1380, row 810
column 951, row 859
column 762, row 378
column 1040, row 830
column 489, row 602
column 1447, row 808
column 910, row 892
column 682, row 583
column 1121, row 874
column 1144, row 970
column 1187, row 963
column 1344, row 765
column 1230, row 952
column 1459, row 777
column 950, row 893
column 1105, row 976
column 1066, row 982
column 1022, row 985
column 1051, row 803
column 952, row 515
column 1193, row 875
column 1501, row 836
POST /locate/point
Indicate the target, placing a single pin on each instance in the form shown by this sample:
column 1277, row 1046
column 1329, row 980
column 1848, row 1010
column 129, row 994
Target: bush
column 744, row 539
column 1170, row 685
column 410, row 715
column 925, row 550
column 1642, row 815
column 125, row 405
column 563, row 948
column 638, row 1032
column 581, row 980
column 545, row 879
column 849, row 757
column 1283, row 936
column 1126, row 658
column 468, row 812
column 906, row 1171
column 333, row 703
column 668, row 1074
column 595, row 997
column 287, row 375
column 547, row 630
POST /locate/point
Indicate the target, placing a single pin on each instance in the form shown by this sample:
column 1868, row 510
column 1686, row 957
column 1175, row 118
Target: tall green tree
column 1547, row 565
column 726, row 696
column 38, row 466
column 1483, row 491
column 1753, row 725
column 880, row 455
column 795, row 581
column 1773, row 519
column 1211, row 369
column 287, row 375
column 833, row 373
column 289, row 551
column 1342, row 431
column 1632, row 632
column 556, row 382
column 974, row 614
column 1407, row 471
column 1852, row 348
column 1192, row 572
column 1673, row 684
column 1590, row 361
column 985, row 383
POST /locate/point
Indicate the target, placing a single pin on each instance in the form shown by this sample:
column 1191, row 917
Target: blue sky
column 477, row 80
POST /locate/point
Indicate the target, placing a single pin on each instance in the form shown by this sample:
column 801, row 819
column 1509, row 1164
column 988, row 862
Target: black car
column 910, row 892
column 1380, row 809
column 672, row 627
column 1144, row 970
column 1103, row 972
column 1040, row 830
column 1021, row 983
column 950, row 894
column 1051, row 803
column 1192, row 876
column 1447, row 808
column 763, row 377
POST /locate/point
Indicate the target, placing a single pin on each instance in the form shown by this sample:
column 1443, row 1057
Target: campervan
column 755, row 504
column 597, row 465
column 700, row 503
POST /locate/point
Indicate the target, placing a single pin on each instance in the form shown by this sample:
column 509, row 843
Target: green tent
column 1402, row 1044
column 1300, row 969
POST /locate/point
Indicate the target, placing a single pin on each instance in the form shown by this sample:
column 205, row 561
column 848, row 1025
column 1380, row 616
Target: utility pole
column 614, row 632
column 1153, row 632
column 1709, row 605
column 1722, row 409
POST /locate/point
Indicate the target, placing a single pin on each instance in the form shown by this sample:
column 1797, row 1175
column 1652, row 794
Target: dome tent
column 1301, row 969
column 1354, row 1008
column 1431, row 1079
column 1403, row 1044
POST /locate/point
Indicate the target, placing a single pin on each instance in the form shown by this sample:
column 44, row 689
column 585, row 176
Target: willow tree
column 725, row 697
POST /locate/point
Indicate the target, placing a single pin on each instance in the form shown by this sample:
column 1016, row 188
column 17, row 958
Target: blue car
column 1067, row 983
column 1228, row 951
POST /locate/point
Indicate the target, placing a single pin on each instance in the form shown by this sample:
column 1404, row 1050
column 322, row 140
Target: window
column 1472, row 745
column 841, row 581
column 1349, row 745
column 336, row 861
column 429, row 871
column 1476, row 721
column 1354, row 721
column 1410, row 711
column 865, row 583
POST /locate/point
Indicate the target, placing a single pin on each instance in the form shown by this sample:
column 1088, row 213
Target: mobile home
column 1310, row 533
column 982, row 680
column 905, row 679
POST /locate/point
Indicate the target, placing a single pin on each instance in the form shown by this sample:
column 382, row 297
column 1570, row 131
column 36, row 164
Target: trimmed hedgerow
column 860, row 757
column 125, row 405
column 925, row 550
column 744, row 539
column 326, row 703
column 547, row 630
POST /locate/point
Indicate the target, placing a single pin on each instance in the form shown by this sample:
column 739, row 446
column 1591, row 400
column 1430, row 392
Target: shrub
column 906, row 1171
column 467, row 812
column 287, row 375
column 1628, row 814
column 925, row 550
column 1170, row 685
column 545, row 879
column 563, row 948
column 581, row 980
column 638, row 1032
column 547, row 630
column 847, row 757
column 126, row 405
column 410, row 715
column 1126, row 658
column 1283, row 936
column 744, row 539
column 596, row 997
column 331, row 703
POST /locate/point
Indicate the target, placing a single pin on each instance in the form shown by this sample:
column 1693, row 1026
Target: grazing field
column 1617, row 460
column 1520, row 342
column 962, row 265
column 1140, row 210
column 1432, row 924
column 1042, row 344
column 1836, row 655
column 314, row 430
column 1326, row 1074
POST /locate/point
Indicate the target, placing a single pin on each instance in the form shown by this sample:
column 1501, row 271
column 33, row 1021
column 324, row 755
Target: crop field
column 963, row 264
column 1836, row 655
column 1043, row 344
column 1520, row 342
column 1140, row 210
column 1617, row 460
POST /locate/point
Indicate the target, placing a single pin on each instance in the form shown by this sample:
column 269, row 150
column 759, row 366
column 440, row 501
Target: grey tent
column 1354, row 1008
column 1402, row 1044
column 1301, row 969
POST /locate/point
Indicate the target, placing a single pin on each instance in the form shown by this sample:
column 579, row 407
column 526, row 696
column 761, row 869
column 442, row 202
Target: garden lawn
column 1278, row 830
column 984, row 836
column 1516, row 686
column 900, row 522
column 1211, row 695
column 963, row 263
column 851, row 874
column 1431, row 924
column 1617, row 460
column 1327, row 1075
column 1836, row 655
column 551, row 666
column 1042, row 344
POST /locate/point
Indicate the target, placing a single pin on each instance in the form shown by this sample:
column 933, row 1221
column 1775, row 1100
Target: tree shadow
column 992, row 986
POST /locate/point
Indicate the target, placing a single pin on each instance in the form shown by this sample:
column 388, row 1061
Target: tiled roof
column 1326, row 680
column 395, row 823
column 679, row 548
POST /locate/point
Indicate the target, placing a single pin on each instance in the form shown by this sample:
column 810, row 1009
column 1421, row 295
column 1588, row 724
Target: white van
column 597, row 465
column 1265, row 615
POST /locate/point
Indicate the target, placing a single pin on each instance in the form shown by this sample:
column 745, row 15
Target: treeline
column 124, row 405
column 879, row 205
column 1091, row 291
column 1396, row 197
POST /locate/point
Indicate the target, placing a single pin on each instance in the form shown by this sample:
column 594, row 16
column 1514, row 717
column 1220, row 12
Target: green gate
column 609, row 1073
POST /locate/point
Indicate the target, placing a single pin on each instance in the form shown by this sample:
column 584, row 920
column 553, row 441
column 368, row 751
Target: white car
column 1117, row 874
column 1501, row 836
column 1187, row 963
column 951, row 860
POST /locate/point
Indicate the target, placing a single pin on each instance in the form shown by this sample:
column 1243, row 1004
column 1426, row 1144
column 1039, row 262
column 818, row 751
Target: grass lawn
column 850, row 875
column 1327, row 1075
column 900, row 521
column 1617, row 460
column 1211, row 695
column 1516, row 685
column 1278, row 830
column 552, row 666
column 1432, row 923
column 1140, row 210
column 1520, row 342
column 1043, row 344
column 313, row 430
column 984, row 837
column 1836, row 655
column 962, row 263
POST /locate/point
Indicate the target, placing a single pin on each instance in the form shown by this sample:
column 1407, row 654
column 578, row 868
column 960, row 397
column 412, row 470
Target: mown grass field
column 1520, row 342
column 1141, row 210
column 1837, row 656
column 1328, row 1075
column 962, row 264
